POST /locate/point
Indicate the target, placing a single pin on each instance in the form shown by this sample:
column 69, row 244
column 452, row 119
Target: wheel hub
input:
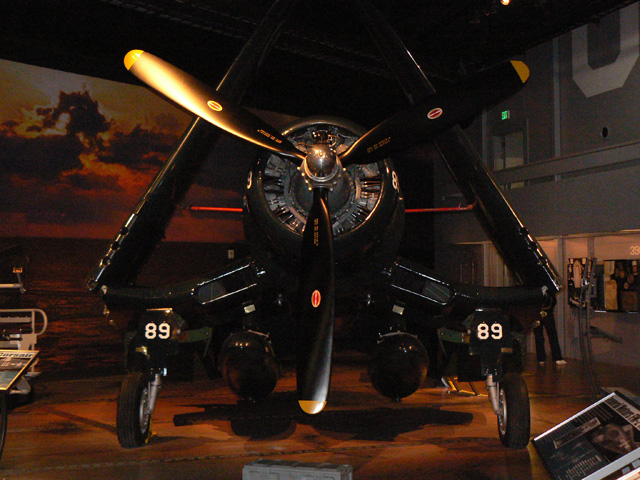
column 502, row 414
column 145, row 416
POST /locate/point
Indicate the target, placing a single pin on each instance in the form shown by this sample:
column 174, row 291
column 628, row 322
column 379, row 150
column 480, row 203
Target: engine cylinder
column 398, row 365
column 248, row 364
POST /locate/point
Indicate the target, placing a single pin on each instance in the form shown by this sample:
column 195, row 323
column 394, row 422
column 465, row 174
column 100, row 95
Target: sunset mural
column 77, row 153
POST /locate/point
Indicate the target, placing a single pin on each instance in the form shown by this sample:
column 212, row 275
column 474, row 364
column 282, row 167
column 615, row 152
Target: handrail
column 33, row 312
column 585, row 313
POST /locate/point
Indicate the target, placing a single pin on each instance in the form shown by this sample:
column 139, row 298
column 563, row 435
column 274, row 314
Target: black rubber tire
column 132, row 425
column 3, row 419
column 514, row 421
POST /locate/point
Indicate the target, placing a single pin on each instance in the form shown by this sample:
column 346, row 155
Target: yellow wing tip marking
column 131, row 58
column 522, row 70
column 311, row 406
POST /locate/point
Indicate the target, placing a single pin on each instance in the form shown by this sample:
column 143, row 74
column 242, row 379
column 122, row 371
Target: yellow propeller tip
column 522, row 70
column 311, row 406
column 131, row 57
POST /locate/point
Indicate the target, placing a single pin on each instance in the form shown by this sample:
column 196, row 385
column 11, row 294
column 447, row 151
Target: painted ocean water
column 79, row 341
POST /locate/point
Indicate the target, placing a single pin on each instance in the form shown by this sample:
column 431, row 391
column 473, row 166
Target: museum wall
column 567, row 155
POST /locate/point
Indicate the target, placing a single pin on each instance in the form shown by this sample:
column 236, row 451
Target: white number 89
column 162, row 331
column 484, row 331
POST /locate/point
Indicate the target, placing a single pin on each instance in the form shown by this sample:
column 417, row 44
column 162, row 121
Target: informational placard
column 602, row 441
column 13, row 364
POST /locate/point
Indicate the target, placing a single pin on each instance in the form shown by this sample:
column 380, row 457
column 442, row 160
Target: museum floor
column 202, row 432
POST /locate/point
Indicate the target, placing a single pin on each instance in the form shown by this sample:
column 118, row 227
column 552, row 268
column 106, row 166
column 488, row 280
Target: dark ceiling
column 324, row 62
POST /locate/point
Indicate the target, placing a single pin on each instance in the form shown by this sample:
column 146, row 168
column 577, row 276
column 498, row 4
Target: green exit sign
column 505, row 115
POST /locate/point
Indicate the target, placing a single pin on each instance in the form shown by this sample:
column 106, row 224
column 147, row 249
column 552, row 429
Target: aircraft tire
column 514, row 420
column 3, row 419
column 133, row 426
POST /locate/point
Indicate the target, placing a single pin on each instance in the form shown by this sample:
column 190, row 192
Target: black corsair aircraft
column 324, row 214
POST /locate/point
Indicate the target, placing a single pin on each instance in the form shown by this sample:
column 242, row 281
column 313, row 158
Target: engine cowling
column 248, row 364
column 398, row 365
column 367, row 209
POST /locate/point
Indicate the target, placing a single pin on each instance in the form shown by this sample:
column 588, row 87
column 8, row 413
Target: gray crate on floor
column 290, row 470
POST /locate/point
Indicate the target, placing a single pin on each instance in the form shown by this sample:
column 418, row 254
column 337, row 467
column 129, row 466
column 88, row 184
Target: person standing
column 548, row 323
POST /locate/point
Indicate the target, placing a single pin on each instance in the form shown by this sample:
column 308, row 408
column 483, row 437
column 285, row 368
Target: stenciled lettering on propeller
column 316, row 232
column 379, row 144
column 269, row 136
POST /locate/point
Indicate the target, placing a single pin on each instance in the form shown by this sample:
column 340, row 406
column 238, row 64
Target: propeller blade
column 205, row 102
column 439, row 112
column 316, row 307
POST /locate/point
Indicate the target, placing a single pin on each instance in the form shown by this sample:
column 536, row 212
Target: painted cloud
column 75, row 163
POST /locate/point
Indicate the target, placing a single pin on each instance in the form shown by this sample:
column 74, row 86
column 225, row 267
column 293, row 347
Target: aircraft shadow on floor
column 279, row 417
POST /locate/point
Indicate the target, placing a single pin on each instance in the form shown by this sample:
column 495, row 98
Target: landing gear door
column 490, row 337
